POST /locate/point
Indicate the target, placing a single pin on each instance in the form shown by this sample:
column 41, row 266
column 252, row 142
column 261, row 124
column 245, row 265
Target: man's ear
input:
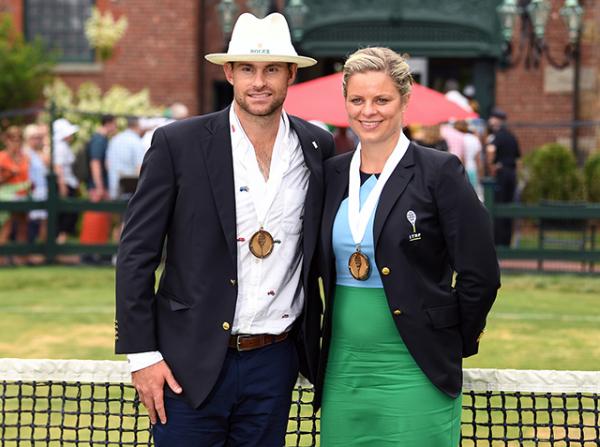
column 228, row 70
column 293, row 72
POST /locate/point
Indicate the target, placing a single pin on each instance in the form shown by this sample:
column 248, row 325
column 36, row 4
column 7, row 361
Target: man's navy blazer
column 186, row 194
column 439, row 322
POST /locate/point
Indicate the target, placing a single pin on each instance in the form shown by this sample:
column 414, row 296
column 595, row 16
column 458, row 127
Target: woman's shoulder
column 431, row 156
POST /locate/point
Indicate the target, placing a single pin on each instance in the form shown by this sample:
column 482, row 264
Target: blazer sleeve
column 467, row 229
column 140, row 249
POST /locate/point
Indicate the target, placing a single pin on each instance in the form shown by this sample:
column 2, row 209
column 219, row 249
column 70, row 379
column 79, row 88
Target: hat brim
column 223, row 58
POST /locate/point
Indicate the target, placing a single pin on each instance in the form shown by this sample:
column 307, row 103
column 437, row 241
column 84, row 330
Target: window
column 60, row 23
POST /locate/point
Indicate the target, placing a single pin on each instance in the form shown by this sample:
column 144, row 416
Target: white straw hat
column 261, row 40
column 62, row 128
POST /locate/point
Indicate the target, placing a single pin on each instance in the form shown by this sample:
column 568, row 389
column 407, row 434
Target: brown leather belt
column 250, row 342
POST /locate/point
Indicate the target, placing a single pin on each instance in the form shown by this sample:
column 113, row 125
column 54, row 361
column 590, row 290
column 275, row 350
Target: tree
column 25, row 67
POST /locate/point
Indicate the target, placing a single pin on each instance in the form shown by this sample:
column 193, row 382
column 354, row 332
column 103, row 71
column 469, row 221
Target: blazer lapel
column 392, row 191
column 337, row 189
column 219, row 164
column 314, row 194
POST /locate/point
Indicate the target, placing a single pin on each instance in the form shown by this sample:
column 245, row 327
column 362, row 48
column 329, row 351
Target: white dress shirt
column 270, row 294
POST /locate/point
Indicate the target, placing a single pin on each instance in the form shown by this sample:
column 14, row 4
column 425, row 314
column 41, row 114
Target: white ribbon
column 358, row 218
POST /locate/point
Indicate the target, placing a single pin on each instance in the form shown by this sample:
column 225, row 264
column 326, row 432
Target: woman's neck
column 374, row 156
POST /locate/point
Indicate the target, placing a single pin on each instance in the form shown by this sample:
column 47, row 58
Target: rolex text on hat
column 261, row 40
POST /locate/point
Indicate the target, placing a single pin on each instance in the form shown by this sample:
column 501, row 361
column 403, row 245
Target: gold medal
column 359, row 265
column 261, row 244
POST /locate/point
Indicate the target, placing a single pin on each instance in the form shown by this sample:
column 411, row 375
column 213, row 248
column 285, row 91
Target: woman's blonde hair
column 379, row 59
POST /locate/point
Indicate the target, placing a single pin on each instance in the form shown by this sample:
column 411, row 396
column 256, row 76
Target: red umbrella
column 321, row 99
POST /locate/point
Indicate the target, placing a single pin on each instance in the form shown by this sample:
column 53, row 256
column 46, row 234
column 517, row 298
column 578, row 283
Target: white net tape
column 104, row 371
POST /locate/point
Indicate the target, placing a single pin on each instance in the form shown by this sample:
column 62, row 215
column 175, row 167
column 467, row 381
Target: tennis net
column 92, row 403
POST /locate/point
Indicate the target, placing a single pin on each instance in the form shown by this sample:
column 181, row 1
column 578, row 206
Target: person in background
column 454, row 139
column 14, row 181
column 176, row 111
column 469, row 93
column 430, row 136
column 472, row 158
column 63, row 132
column 97, row 147
column 95, row 226
column 400, row 223
column 124, row 157
column 502, row 153
column 39, row 162
column 452, row 93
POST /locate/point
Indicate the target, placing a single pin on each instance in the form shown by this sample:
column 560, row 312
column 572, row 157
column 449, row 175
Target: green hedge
column 551, row 173
column 591, row 175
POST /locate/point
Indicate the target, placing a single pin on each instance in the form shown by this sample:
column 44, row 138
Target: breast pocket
column 293, row 210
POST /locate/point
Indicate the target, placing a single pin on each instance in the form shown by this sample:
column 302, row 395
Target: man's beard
column 268, row 111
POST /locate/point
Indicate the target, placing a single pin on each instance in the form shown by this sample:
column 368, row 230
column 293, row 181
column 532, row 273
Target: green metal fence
column 554, row 231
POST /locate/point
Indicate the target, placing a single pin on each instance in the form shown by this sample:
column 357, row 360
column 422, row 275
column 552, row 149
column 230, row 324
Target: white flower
column 103, row 32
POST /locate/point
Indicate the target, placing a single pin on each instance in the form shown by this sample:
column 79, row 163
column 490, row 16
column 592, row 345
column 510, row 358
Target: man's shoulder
column 338, row 162
column 301, row 125
column 210, row 121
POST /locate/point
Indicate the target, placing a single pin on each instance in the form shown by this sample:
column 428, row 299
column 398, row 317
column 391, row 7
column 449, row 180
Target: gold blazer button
column 226, row 326
column 397, row 312
column 385, row 271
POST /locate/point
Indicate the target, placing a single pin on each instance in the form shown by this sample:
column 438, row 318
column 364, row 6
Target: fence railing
column 553, row 231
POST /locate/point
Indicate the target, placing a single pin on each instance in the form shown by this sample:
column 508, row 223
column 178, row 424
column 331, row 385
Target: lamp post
column 295, row 10
column 532, row 44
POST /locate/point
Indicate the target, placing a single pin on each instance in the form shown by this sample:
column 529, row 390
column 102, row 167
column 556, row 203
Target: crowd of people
column 106, row 167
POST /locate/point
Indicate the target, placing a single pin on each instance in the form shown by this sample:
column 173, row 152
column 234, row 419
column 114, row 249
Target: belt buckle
column 237, row 342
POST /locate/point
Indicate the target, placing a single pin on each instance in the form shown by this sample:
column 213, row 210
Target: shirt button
column 385, row 271
column 226, row 326
column 397, row 312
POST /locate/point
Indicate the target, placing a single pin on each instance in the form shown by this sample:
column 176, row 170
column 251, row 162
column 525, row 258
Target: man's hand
column 149, row 383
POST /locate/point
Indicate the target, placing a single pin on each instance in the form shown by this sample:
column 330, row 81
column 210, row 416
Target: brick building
column 164, row 46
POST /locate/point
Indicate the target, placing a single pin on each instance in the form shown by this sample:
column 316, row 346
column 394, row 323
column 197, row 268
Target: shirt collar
column 239, row 139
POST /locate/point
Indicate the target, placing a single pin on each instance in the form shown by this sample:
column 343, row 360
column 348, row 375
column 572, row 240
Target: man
column 97, row 148
column 95, row 226
column 124, row 157
column 238, row 194
column 502, row 152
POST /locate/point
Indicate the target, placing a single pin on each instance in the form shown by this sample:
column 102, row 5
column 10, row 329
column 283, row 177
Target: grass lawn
column 538, row 322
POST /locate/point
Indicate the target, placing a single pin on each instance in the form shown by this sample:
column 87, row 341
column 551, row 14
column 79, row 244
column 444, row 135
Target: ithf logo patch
column 411, row 216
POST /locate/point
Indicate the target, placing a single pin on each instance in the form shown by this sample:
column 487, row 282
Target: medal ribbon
column 264, row 194
column 358, row 218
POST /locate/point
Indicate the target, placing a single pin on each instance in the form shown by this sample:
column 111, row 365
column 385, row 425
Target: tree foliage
column 25, row 67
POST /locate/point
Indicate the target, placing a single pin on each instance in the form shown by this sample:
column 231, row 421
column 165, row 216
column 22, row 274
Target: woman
column 472, row 156
column 14, row 185
column 399, row 220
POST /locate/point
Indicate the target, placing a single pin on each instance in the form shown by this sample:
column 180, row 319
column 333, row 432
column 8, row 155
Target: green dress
column 375, row 395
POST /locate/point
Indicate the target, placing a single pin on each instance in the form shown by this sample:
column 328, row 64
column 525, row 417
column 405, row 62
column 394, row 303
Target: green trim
column 457, row 28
